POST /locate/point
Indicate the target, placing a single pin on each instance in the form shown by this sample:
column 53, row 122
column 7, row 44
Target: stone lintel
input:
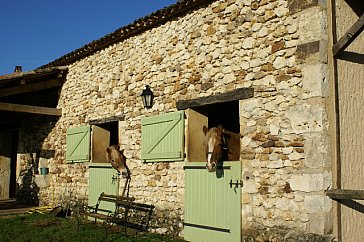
column 307, row 49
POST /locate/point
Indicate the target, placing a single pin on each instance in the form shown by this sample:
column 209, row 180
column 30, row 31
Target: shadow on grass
column 45, row 227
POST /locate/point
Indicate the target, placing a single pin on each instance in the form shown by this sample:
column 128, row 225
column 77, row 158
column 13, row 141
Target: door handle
column 113, row 179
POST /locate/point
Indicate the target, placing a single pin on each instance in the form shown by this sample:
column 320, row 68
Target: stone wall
column 274, row 46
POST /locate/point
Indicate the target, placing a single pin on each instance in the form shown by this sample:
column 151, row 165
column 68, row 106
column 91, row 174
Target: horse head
column 213, row 146
column 118, row 160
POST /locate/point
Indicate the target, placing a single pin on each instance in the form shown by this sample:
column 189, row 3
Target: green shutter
column 78, row 144
column 163, row 137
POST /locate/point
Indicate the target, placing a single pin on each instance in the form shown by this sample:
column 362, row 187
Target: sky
column 36, row 32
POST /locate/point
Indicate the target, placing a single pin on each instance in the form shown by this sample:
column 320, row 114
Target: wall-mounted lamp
column 147, row 97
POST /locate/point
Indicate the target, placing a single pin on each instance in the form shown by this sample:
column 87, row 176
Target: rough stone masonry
column 278, row 47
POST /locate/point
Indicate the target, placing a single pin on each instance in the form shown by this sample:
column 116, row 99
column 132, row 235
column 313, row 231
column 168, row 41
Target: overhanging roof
column 25, row 94
column 140, row 25
column 23, row 82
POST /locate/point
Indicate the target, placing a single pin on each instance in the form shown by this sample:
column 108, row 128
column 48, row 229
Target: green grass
column 45, row 227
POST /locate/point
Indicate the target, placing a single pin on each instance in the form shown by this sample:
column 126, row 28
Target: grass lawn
column 46, row 227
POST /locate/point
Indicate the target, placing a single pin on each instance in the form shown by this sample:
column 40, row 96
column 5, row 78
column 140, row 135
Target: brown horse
column 118, row 160
column 214, row 146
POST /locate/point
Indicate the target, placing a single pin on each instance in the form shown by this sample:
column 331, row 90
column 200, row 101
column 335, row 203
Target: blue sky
column 35, row 32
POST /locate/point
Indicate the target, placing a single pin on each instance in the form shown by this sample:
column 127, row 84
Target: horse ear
column 122, row 151
column 205, row 129
column 108, row 150
column 220, row 129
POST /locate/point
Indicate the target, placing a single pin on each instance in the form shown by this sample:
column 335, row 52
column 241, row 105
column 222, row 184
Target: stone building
column 263, row 69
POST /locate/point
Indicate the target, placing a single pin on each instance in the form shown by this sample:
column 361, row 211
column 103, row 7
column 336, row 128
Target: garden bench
column 126, row 212
column 103, row 214
column 132, row 214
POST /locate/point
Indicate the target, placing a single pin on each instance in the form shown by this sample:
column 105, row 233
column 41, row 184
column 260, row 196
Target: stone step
column 11, row 204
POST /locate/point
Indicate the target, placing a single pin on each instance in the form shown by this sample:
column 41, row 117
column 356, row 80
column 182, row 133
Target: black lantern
column 147, row 97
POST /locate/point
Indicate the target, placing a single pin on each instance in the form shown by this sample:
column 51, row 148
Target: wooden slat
column 30, row 87
column 30, row 109
column 346, row 194
column 349, row 36
column 238, row 94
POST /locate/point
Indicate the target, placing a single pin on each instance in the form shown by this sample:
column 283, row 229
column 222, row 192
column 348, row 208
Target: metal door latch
column 113, row 179
column 236, row 184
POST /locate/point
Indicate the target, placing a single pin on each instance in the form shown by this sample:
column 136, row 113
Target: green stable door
column 212, row 203
column 102, row 178
column 212, row 199
column 88, row 143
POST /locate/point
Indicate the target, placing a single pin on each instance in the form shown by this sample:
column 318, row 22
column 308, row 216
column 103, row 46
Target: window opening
column 113, row 128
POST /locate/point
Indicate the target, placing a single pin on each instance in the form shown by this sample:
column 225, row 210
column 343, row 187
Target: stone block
column 307, row 182
column 311, row 25
column 279, row 45
column 250, row 187
column 274, row 129
column 282, row 203
column 248, row 43
column 317, row 204
column 316, row 150
column 319, row 223
column 306, row 118
column 275, row 164
column 279, row 62
column 315, row 81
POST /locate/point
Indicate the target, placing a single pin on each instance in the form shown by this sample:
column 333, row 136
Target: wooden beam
column 349, row 36
column 30, row 87
column 345, row 194
column 10, row 107
column 238, row 94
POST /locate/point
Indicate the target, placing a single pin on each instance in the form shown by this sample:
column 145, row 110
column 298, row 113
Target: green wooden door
column 212, row 208
column 102, row 178
column 163, row 137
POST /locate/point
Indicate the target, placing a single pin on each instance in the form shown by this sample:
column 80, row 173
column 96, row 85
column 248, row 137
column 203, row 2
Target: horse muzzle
column 211, row 167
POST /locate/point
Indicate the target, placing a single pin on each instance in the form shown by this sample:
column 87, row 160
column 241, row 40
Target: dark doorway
column 226, row 114
column 13, row 157
column 8, row 160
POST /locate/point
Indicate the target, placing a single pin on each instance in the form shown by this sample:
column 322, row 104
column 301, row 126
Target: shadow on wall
column 27, row 190
column 351, row 57
column 31, row 150
column 353, row 205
